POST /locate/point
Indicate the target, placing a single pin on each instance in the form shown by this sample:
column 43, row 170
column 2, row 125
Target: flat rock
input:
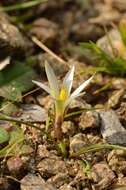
column 34, row 182
column 111, row 128
column 51, row 166
column 32, row 113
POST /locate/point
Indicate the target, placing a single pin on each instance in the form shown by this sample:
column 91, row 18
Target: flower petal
column 43, row 86
column 68, row 80
column 69, row 100
column 53, row 82
column 81, row 87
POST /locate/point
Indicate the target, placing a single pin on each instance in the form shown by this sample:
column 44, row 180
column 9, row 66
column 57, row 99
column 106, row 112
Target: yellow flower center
column 63, row 94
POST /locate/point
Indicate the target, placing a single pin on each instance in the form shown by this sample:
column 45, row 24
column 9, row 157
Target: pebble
column 45, row 30
column 111, row 128
column 66, row 187
column 32, row 113
column 59, row 179
column 34, row 182
column 49, row 167
column 77, row 142
column 119, row 4
column 89, row 120
column 116, row 40
column 68, row 128
column 102, row 176
column 115, row 98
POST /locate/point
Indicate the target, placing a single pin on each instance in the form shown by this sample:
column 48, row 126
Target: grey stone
column 33, row 112
column 111, row 128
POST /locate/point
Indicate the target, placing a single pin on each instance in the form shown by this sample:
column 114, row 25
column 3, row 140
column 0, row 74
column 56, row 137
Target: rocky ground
column 60, row 25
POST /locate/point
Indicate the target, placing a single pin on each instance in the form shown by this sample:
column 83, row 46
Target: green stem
column 24, row 5
column 6, row 118
column 96, row 147
column 62, row 146
column 71, row 114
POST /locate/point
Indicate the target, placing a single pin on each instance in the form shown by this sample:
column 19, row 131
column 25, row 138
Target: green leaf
column 14, row 80
column 16, row 136
column 104, row 62
column 20, row 6
column 15, row 144
column 4, row 135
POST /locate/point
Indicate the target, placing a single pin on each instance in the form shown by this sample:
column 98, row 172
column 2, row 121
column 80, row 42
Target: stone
column 111, row 128
column 34, row 182
column 68, row 128
column 89, row 119
column 32, row 113
column 115, row 98
column 82, row 31
column 45, row 102
column 115, row 37
column 14, row 164
column 43, row 152
column 120, row 184
column 106, row 14
column 51, row 166
column 66, row 187
column 117, row 162
column 119, row 4
column 45, row 30
column 77, row 142
column 121, row 112
column 11, row 39
column 59, row 179
column 102, row 176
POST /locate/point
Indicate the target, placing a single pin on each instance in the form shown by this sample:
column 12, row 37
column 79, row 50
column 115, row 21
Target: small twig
column 46, row 49
column 30, row 92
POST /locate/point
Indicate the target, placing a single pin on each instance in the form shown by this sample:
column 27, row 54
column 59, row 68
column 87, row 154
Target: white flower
column 62, row 95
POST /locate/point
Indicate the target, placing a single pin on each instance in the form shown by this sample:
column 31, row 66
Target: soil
column 61, row 25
